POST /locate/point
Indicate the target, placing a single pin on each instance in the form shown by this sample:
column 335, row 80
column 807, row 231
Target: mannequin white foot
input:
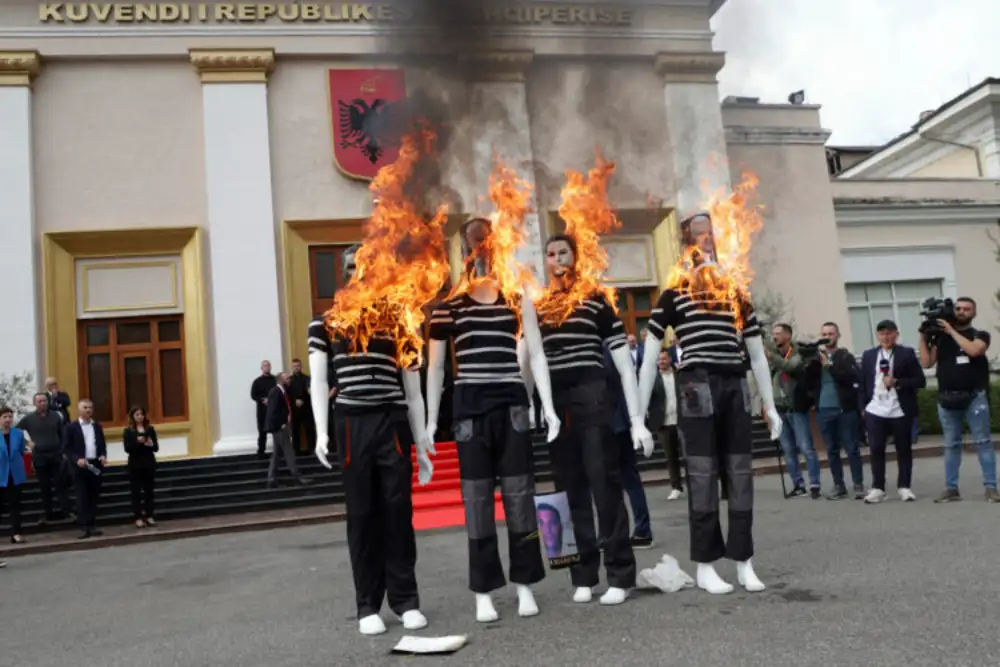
column 485, row 611
column 748, row 578
column 526, row 605
column 709, row 580
column 413, row 620
column 614, row 596
column 583, row 594
column 371, row 625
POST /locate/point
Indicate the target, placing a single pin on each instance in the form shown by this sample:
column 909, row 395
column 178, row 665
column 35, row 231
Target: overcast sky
column 873, row 65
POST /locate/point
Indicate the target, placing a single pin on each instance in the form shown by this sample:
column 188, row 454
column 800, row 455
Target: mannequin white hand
column 642, row 439
column 437, row 351
column 762, row 375
column 539, row 366
column 524, row 363
column 415, row 415
column 647, row 374
column 319, row 392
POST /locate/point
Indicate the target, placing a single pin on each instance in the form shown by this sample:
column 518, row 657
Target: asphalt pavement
column 876, row 586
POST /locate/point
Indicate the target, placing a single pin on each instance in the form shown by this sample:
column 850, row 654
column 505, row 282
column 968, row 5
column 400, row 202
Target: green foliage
column 16, row 392
column 928, row 423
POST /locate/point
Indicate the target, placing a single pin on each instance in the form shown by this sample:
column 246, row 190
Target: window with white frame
column 870, row 303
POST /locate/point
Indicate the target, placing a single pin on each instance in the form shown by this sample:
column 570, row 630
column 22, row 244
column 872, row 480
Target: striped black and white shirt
column 574, row 348
column 485, row 337
column 364, row 380
column 706, row 330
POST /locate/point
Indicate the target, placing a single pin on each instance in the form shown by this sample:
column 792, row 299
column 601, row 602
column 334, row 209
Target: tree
column 16, row 392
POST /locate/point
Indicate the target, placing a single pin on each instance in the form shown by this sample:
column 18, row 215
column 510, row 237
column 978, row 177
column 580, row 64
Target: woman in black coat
column 141, row 446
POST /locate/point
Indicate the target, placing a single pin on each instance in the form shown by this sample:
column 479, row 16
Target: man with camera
column 963, row 373
column 791, row 398
column 836, row 381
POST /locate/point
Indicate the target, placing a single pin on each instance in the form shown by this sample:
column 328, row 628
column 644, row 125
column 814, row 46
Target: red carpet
column 439, row 503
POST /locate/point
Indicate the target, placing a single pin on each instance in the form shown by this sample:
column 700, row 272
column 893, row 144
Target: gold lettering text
column 50, row 11
column 288, row 13
column 124, row 13
column 77, row 13
column 100, row 12
column 202, row 13
column 560, row 15
column 246, row 12
column 542, row 14
column 225, row 12
column 361, row 12
column 335, row 13
column 153, row 13
column 383, row 13
column 577, row 15
column 624, row 16
column 266, row 10
column 310, row 12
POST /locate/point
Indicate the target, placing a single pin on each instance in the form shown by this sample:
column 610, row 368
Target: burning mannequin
column 584, row 456
column 491, row 419
column 714, row 403
column 376, row 417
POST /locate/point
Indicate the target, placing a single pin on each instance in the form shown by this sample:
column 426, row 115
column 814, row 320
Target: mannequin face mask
column 476, row 233
column 699, row 235
column 559, row 260
column 349, row 262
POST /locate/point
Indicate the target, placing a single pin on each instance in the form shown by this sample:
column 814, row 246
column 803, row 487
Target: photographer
column 791, row 398
column 963, row 374
column 836, row 381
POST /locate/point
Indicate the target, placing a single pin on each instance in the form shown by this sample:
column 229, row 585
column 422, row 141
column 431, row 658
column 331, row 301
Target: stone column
column 500, row 122
column 19, row 343
column 244, row 262
column 694, row 125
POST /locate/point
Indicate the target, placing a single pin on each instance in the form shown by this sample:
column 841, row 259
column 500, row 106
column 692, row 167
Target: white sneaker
column 906, row 495
column 675, row 494
column 875, row 496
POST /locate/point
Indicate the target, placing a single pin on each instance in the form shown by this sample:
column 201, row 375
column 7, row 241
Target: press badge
column 962, row 359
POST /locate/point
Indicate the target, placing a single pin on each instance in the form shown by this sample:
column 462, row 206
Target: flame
column 401, row 265
column 724, row 284
column 587, row 213
column 511, row 197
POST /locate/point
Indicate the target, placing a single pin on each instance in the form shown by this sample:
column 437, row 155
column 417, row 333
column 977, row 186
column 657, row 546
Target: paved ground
column 886, row 586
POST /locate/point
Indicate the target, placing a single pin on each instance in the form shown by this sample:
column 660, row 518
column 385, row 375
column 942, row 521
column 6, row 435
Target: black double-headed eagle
column 366, row 127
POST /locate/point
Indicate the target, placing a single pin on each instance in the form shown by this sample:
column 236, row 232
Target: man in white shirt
column 663, row 420
column 87, row 451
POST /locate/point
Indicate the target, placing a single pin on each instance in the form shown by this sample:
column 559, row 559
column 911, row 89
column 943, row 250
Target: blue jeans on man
column 841, row 430
column 796, row 438
column 977, row 416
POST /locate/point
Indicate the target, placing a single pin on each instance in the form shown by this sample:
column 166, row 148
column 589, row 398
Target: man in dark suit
column 87, row 452
column 259, row 390
column 642, row 535
column 59, row 401
column 279, row 424
column 891, row 375
column 662, row 420
column 302, row 415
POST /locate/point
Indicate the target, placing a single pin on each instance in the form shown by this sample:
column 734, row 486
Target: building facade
column 173, row 209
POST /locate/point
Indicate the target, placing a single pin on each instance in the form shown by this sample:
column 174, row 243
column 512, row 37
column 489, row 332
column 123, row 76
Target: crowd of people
column 71, row 454
column 875, row 400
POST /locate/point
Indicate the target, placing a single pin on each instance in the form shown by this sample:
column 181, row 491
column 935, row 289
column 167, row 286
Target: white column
column 244, row 261
column 694, row 126
column 19, row 341
column 501, row 126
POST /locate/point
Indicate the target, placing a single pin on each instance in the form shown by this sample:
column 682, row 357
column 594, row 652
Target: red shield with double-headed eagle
column 366, row 104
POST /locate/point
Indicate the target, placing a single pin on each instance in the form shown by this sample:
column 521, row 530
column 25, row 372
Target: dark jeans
column 51, row 472
column 840, row 430
column 633, row 486
column 879, row 430
column 10, row 499
column 302, row 420
column 141, row 483
column 671, row 445
column 88, row 494
column 261, row 429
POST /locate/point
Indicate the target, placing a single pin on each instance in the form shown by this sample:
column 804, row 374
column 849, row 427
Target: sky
column 873, row 65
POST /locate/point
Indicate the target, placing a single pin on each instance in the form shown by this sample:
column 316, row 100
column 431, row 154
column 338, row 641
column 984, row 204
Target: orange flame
column 400, row 267
column 725, row 283
column 511, row 197
column 587, row 213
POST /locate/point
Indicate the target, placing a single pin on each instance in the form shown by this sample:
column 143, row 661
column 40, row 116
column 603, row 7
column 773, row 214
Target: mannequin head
column 696, row 233
column 474, row 234
column 349, row 261
column 560, row 258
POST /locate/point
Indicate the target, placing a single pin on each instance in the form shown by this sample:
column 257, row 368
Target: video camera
column 810, row 350
column 933, row 309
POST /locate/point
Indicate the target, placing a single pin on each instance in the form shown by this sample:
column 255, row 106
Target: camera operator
column 963, row 375
column 791, row 398
column 836, row 381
